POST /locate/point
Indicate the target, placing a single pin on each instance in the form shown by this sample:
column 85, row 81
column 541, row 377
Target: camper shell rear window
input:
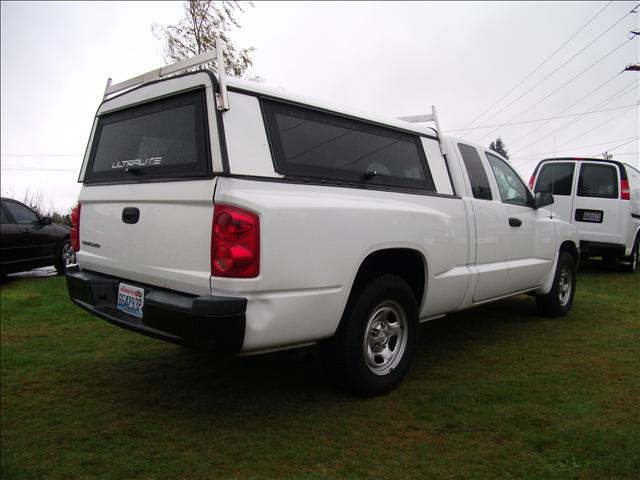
column 160, row 140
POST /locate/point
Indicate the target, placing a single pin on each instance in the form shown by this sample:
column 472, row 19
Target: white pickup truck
column 239, row 218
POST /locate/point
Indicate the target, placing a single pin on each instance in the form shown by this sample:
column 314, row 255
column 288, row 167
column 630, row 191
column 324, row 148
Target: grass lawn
column 495, row 392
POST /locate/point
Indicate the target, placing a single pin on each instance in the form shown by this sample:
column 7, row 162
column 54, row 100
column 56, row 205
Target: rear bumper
column 598, row 249
column 209, row 322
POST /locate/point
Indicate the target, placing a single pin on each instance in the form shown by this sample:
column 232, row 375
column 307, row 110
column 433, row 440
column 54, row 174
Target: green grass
column 495, row 392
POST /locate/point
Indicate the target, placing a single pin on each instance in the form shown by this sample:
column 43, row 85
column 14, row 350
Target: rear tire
column 559, row 300
column 634, row 258
column 376, row 339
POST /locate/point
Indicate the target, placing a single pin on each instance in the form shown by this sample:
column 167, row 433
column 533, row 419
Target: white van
column 602, row 198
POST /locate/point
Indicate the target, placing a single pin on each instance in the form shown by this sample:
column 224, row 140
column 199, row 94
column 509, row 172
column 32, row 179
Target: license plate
column 591, row 216
column 130, row 299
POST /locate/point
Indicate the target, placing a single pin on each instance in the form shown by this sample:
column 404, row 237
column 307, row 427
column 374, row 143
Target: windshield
column 160, row 140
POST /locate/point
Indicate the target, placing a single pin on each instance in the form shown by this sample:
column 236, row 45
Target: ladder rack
column 222, row 99
column 427, row 117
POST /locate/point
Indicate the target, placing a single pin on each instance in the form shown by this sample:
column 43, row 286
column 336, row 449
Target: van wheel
column 634, row 257
column 376, row 340
column 66, row 257
column 559, row 300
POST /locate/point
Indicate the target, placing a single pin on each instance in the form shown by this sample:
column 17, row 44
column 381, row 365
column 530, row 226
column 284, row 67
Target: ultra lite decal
column 137, row 162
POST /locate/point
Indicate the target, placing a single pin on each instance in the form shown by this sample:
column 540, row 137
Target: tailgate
column 168, row 246
column 149, row 178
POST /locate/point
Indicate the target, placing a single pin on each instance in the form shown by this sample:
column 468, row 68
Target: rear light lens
column 624, row 190
column 532, row 180
column 75, row 228
column 235, row 242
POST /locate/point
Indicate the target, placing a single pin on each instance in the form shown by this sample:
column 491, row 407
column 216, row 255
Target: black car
column 28, row 240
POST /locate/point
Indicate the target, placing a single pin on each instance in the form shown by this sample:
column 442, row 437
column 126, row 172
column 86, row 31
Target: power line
column 41, row 155
column 512, row 142
column 600, row 125
column 568, row 149
column 564, row 64
column 543, row 119
column 560, row 87
column 615, row 148
column 539, row 66
column 38, row 169
column 606, row 101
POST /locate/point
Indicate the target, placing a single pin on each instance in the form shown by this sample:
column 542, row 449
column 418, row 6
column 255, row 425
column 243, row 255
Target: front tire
column 559, row 300
column 66, row 257
column 375, row 343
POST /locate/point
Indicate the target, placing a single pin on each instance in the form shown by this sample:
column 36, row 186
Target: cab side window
column 477, row 176
column 21, row 214
column 512, row 189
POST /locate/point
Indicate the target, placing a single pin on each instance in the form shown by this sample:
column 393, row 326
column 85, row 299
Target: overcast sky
column 387, row 58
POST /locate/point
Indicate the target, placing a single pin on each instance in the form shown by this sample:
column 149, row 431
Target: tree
column 499, row 147
column 196, row 33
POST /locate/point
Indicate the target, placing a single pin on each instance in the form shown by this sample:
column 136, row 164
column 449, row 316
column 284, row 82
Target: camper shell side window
column 310, row 143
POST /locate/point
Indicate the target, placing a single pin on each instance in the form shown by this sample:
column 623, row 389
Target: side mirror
column 45, row 220
column 543, row 199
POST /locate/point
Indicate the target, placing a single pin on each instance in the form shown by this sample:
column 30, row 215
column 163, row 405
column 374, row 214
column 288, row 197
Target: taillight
column 75, row 228
column 235, row 242
column 532, row 180
column 624, row 190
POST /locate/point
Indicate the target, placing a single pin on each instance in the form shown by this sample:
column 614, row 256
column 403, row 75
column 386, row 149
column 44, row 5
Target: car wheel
column 66, row 257
column 634, row 257
column 376, row 340
column 559, row 300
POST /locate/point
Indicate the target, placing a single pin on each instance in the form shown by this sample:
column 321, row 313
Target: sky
column 483, row 64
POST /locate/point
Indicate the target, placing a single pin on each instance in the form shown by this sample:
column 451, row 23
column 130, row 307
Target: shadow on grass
column 597, row 265
column 168, row 377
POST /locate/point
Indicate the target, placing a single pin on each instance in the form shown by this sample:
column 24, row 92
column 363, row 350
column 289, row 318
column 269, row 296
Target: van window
column 309, row 143
column 600, row 181
column 477, row 176
column 512, row 189
column 556, row 178
column 163, row 139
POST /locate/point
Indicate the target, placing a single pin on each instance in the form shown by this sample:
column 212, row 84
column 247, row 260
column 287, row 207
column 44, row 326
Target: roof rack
column 222, row 99
column 427, row 117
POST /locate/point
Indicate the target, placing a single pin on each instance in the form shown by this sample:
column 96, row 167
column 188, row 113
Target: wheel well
column 570, row 248
column 406, row 263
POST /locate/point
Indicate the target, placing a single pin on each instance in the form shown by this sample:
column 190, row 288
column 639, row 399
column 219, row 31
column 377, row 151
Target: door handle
column 515, row 222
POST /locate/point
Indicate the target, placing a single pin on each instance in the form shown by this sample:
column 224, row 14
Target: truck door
column 531, row 231
column 491, row 229
column 557, row 179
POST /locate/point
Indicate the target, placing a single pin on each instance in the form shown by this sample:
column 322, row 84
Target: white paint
column 246, row 137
